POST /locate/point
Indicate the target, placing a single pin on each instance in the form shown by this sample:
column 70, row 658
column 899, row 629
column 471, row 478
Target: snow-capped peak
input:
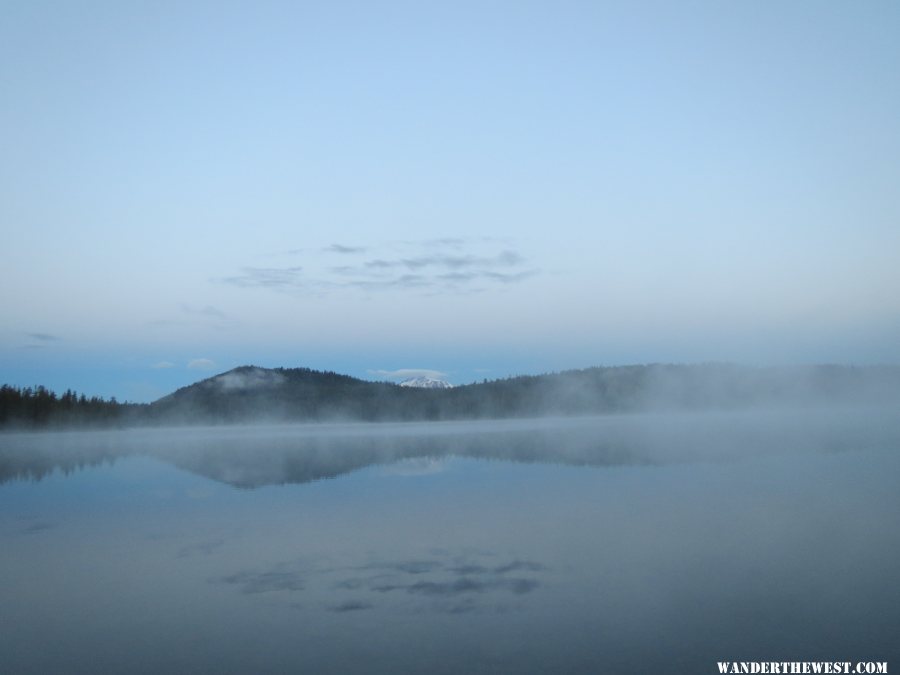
column 426, row 383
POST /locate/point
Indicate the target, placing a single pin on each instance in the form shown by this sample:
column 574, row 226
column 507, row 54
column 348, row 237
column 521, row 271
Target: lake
column 627, row 544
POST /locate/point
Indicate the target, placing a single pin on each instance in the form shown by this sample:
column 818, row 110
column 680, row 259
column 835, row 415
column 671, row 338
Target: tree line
column 250, row 394
column 38, row 407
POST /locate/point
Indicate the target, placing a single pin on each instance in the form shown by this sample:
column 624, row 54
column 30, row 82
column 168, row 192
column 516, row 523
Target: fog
column 255, row 455
column 625, row 542
column 254, row 395
column 259, row 395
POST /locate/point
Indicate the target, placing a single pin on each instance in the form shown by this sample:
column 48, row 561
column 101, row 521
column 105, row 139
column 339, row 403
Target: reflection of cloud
column 266, row 582
column 407, row 373
column 446, row 580
column 445, row 583
column 201, row 364
column 203, row 548
column 519, row 566
column 36, row 527
column 462, row 586
column 408, row 566
column 470, row 569
column 352, row 606
column 200, row 492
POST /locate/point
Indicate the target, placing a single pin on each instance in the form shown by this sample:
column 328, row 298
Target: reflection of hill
column 255, row 456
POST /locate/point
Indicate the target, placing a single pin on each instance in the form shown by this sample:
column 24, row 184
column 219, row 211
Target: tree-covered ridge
column 30, row 407
column 253, row 394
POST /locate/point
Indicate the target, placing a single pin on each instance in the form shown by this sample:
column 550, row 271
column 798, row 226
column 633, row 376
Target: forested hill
column 250, row 392
column 253, row 394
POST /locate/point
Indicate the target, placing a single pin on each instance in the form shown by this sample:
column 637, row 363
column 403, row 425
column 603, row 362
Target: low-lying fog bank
column 260, row 395
column 254, row 455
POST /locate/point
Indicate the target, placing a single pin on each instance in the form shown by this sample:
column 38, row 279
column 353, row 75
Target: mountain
column 426, row 383
column 253, row 394
column 250, row 394
column 275, row 394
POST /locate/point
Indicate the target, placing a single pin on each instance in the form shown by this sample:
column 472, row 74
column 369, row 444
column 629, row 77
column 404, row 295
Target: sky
column 468, row 189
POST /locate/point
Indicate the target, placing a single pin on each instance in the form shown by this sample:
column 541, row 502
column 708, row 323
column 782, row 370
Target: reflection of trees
column 251, row 457
column 276, row 455
column 18, row 463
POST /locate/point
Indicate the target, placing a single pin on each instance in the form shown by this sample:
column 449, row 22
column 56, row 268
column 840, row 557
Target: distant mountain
column 254, row 394
column 250, row 393
column 275, row 394
column 426, row 383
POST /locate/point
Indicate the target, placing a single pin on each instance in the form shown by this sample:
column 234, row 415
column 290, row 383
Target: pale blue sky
column 479, row 189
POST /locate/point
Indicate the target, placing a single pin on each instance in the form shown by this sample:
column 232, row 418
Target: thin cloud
column 201, row 364
column 499, row 277
column 166, row 322
column 407, row 373
column 458, row 277
column 162, row 365
column 340, row 248
column 405, row 281
column 509, row 278
column 503, row 259
column 457, row 242
column 266, row 277
column 43, row 337
column 445, row 241
column 433, row 267
column 208, row 311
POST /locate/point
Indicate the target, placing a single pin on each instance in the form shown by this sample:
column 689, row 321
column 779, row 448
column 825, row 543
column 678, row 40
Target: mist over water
column 627, row 543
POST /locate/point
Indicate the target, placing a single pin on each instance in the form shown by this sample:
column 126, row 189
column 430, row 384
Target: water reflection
column 251, row 457
column 622, row 544
column 446, row 583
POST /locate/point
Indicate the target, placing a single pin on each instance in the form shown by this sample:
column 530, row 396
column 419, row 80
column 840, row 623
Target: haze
column 635, row 542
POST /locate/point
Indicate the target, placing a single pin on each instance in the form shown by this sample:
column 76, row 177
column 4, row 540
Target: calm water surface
column 619, row 544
